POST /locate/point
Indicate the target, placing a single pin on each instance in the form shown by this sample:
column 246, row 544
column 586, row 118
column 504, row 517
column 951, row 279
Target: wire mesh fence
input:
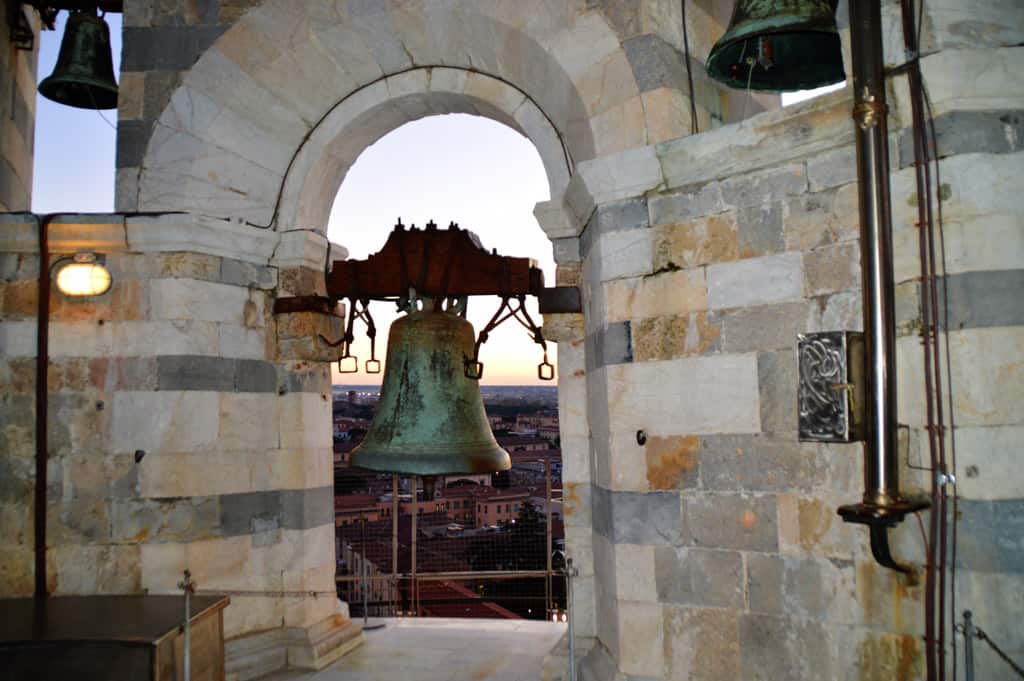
column 430, row 548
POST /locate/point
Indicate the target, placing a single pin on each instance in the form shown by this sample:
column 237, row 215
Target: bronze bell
column 430, row 419
column 84, row 75
column 779, row 46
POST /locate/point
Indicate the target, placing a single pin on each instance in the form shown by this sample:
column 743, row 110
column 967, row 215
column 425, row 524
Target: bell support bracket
column 439, row 264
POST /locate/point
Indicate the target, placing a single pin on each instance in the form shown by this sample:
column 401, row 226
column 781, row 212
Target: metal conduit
column 882, row 505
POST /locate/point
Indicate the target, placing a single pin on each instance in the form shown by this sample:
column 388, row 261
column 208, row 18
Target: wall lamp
column 83, row 276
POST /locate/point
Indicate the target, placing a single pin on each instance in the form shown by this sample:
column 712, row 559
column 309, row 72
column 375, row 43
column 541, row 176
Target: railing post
column 415, row 513
column 395, row 510
column 547, row 536
column 969, row 635
column 570, row 572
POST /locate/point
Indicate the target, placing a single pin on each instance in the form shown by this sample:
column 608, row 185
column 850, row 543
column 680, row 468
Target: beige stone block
column 220, row 562
column 810, row 524
column 248, row 421
column 626, row 470
column 496, row 93
column 586, row 42
column 177, row 474
column 292, row 468
column 189, row 299
column 177, row 233
column 658, row 338
column 451, row 81
column 634, row 573
column 667, row 293
column 166, row 421
column 988, row 460
column 555, row 218
column 831, row 269
column 755, row 281
column 973, row 79
column 672, row 461
column 305, row 420
column 987, row 372
column 82, row 339
column 182, row 170
column 822, row 218
column 88, row 570
column 620, row 128
column 18, row 339
column 623, row 174
column 241, row 342
column 698, row 395
column 667, row 112
column 162, row 565
column 155, row 338
column 253, row 613
column 702, row 643
column 767, row 139
column 607, row 83
column 641, row 639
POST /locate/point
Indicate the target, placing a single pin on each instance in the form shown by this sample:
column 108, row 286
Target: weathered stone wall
column 189, row 427
column 17, row 112
column 717, row 550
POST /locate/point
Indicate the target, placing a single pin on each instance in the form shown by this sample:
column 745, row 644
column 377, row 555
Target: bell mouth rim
column 832, row 73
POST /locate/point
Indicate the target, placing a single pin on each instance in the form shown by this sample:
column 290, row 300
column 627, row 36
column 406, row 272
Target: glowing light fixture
column 84, row 276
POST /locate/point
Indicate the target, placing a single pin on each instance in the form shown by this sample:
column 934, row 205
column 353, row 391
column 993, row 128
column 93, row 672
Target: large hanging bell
column 430, row 419
column 779, row 46
column 84, row 75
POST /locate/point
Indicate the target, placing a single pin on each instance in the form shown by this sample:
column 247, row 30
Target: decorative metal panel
column 831, row 390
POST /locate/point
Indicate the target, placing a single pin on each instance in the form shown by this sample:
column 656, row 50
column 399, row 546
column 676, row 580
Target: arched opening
column 480, row 174
column 487, row 177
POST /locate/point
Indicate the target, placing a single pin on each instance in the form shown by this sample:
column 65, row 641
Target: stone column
column 190, row 428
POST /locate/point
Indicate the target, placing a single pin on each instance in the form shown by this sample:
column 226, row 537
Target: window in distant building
column 515, row 508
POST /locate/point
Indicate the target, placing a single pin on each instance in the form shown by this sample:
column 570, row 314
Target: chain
column 474, row 368
column 999, row 651
column 980, row 634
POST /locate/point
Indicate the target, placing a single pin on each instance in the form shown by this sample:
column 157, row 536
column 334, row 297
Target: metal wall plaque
column 831, row 391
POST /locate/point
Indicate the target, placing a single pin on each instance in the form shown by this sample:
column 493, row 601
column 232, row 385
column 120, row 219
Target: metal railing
column 461, row 553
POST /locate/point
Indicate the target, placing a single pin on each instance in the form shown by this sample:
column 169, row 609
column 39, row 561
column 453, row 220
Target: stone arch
column 320, row 164
column 267, row 95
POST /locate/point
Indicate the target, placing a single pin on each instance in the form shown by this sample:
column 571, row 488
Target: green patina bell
column 779, row 46
column 430, row 419
column 84, row 75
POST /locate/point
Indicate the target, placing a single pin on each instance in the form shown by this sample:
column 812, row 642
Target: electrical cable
column 694, row 124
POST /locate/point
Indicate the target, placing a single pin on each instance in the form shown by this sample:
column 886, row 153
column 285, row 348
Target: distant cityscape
column 508, row 521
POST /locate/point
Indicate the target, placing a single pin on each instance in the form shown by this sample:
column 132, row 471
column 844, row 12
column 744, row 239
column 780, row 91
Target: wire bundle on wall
column 941, row 536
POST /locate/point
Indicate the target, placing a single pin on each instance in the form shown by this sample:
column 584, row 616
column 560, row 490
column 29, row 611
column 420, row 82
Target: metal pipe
column 42, row 402
column 882, row 505
column 881, row 476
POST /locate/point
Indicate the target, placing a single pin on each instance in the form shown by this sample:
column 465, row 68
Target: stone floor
column 436, row 649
